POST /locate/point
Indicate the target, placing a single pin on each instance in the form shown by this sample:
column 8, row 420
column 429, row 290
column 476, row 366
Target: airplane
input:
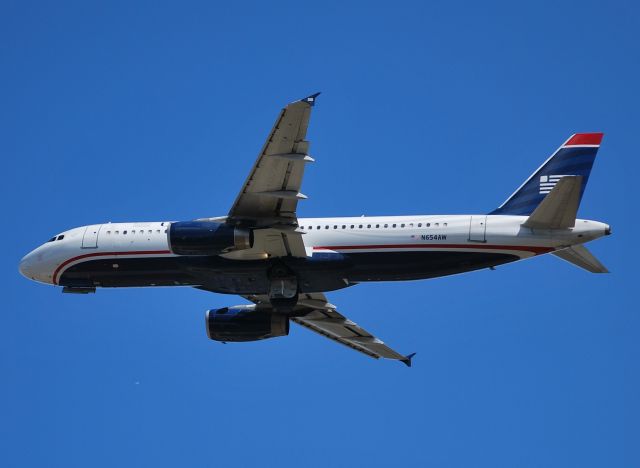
column 284, row 265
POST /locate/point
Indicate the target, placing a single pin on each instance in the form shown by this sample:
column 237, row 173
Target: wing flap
column 272, row 242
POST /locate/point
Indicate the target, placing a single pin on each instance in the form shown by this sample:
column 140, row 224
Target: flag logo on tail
column 547, row 182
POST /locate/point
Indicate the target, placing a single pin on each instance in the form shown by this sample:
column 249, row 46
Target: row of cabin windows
column 377, row 226
column 133, row 231
column 139, row 231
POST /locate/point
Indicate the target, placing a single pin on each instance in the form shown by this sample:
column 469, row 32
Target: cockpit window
column 61, row 236
column 52, row 239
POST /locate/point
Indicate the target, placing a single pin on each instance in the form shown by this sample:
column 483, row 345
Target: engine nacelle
column 244, row 323
column 207, row 238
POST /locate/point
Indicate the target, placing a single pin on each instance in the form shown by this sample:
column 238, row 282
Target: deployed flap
column 271, row 192
column 558, row 210
column 581, row 257
column 324, row 319
column 272, row 242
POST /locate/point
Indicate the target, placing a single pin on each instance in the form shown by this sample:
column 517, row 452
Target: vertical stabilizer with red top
column 574, row 158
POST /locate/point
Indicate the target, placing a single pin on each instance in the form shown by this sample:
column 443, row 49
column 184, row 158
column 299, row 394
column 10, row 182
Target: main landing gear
column 283, row 289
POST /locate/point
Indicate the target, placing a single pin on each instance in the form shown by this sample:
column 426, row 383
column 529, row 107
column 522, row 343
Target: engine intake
column 207, row 238
column 244, row 323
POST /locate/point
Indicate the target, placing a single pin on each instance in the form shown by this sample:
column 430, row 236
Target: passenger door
column 478, row 229
column 90, row 237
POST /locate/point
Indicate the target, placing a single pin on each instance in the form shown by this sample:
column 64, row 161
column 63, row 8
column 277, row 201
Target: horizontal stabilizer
column 581, row 257
column 559, row 208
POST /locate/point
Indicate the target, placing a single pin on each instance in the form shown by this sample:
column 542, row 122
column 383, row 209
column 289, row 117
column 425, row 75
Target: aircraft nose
column 26, row 266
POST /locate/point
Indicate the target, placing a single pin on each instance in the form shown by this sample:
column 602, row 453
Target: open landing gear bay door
column 317, row 314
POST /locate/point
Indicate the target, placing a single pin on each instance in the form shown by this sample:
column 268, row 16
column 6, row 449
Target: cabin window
column 352, row 226
column 402, row 225
column 393, row 225
column 335, row 226
column 419, row 224
column 327, row 226
column 437, row 224
column 360, row 226
column 377, row 225
column 344, row 226
column 317, row 227
column 386, row 225
column 428, row 224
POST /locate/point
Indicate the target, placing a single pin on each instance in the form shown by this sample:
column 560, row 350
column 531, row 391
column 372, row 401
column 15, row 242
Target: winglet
column 311, row 100
column 407, row 359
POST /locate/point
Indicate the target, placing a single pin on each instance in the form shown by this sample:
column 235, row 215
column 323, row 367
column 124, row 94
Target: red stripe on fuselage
column 106, row 254
column 526, row 248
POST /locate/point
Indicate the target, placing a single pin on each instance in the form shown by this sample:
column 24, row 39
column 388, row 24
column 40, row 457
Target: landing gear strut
column 283, row 289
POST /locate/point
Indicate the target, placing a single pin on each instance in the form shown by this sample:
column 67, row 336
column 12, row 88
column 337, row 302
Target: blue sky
column 124, row 111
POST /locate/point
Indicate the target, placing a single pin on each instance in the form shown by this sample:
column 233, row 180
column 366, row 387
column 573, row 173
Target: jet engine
column 207, row 238
column 245, row 323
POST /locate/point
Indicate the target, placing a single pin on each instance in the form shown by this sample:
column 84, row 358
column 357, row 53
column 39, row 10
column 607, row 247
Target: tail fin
column 575, row 157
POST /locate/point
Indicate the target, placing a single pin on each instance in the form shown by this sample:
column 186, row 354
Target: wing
column 272, row 190
column 269, row 197
column 320, row 316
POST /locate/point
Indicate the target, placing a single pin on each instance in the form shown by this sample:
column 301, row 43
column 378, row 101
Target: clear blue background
column 118, row 111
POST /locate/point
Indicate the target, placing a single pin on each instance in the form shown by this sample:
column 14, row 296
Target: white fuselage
column 467, row 233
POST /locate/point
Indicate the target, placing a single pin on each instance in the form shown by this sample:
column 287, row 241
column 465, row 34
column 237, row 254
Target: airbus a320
column 283, row 264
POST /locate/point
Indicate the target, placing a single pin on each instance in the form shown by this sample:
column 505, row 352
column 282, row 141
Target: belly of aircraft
column 321, row 272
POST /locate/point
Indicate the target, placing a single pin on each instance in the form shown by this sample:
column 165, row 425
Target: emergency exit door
column 478, row 229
